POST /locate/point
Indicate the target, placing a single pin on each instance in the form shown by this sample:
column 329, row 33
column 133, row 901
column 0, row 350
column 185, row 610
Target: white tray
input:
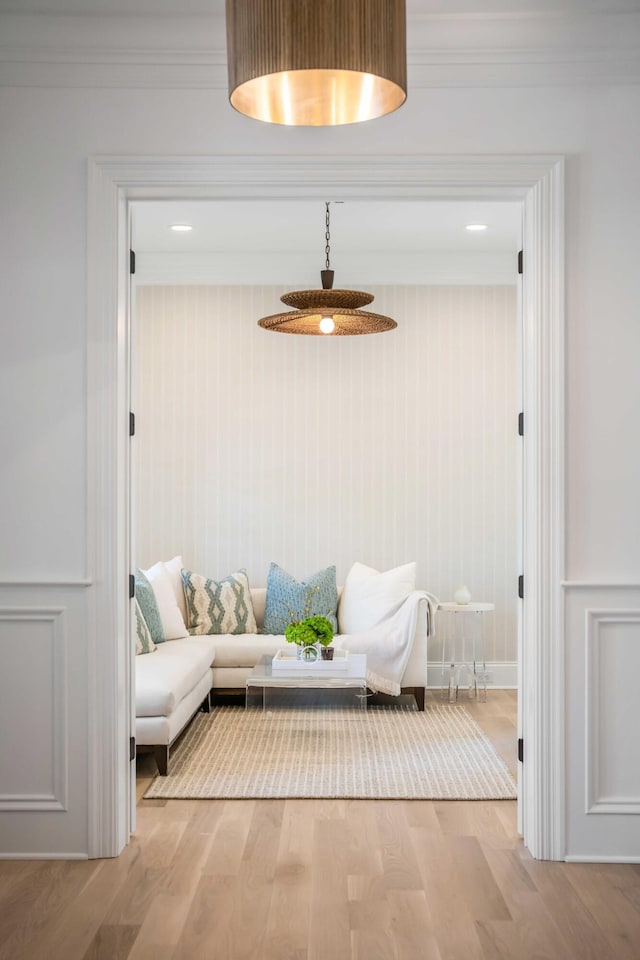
column 283, row 660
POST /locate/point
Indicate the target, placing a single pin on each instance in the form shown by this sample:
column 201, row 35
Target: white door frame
column 538, row 182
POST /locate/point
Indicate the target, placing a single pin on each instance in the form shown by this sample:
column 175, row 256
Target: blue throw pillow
column 290, row 600
column 149, row 607
column 144, row 641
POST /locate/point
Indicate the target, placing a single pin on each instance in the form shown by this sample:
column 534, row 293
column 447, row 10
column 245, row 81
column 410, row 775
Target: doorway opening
column 386, row 450
column 541, row 307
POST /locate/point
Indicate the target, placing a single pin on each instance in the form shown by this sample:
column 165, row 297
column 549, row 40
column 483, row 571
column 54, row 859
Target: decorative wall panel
column 33, row 731
column 602, row 774
column 254, row 446
column 612, row 779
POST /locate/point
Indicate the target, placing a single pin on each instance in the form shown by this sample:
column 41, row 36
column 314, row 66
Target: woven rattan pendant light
column 327, row 312
column 316, row 62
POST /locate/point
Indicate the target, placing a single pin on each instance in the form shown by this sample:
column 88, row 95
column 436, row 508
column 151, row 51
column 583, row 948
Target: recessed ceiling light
column 181, row 227
column 476, row 226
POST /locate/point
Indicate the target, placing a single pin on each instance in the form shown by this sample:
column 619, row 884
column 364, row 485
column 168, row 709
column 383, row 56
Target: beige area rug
column 380, row 753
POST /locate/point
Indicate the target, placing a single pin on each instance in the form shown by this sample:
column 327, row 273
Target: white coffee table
column 267, row 687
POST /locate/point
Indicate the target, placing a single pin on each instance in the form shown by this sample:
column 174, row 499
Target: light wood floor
column 324, row 880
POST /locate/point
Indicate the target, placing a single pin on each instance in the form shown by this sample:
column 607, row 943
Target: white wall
column 309, row 451
column 504, row 85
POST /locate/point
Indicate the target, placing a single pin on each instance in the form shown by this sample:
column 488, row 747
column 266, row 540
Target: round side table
column 470, row 643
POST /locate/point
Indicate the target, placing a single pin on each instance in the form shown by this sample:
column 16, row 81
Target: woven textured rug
column 382, row 753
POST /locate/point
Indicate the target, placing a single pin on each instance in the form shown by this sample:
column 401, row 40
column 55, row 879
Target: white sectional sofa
column 236, row 656
column 181, row 676
column 172, row 684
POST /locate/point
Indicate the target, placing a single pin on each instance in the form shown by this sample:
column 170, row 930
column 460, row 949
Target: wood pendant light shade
column 340, row 305
column 316, row 62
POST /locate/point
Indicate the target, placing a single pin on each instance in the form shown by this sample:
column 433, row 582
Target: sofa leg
column 162, row 759
column 419, row 693
column 205, row 706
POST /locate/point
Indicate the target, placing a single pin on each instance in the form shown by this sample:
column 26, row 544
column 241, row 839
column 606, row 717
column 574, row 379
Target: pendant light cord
column 327, row 236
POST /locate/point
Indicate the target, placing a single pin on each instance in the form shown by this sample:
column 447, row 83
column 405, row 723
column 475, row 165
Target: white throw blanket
column 388, row 644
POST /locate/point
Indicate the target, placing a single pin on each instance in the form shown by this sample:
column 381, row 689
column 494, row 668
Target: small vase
column 308, row 653
column 326, row 653
column 462, row 595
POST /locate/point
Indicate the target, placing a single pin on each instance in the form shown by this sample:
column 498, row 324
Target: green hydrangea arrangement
column 310, row 631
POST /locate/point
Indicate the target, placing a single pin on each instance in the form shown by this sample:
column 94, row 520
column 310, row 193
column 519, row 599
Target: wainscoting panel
column 43, row 737
column 603, row 774
column 309, row 451
column 33, row 766
column 612, row 777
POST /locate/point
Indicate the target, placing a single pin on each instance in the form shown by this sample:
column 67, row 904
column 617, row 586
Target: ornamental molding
column 447, row 51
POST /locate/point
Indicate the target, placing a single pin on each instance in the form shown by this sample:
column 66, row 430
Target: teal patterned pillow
column 144, row 642
column 290, row 600
column 218, row 606
column 149, row 607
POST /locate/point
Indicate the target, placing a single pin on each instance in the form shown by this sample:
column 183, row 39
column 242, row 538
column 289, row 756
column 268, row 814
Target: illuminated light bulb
column 327, row 325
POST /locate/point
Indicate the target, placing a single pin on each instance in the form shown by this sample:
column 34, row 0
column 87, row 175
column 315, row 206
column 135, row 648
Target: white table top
column 448, row 606
column 263, row 674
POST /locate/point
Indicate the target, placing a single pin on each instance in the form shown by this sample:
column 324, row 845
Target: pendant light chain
column 327, row 311
column 327, row 235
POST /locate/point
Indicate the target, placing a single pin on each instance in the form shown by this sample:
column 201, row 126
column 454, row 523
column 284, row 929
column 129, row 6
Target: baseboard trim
column 600, row 858
column 44, row 856
column 501, row 675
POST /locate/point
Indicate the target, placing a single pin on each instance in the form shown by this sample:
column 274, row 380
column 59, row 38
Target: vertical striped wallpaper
column 310, row 451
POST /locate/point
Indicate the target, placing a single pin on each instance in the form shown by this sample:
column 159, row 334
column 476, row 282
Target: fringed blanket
column 388, row 644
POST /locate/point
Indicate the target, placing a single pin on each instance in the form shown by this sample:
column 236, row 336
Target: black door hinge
column 520, row 749
column 132, row 748
column 521, row 586
column 132, row 261
column 132, row 424
column 520, row 261
column 132, row 586
column 521, row 424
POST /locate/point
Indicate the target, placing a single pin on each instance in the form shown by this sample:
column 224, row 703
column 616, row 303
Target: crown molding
column 37, row 584
column 444, row 51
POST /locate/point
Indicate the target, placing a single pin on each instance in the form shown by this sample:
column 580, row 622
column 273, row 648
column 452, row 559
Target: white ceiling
column 415, row 8
column 287, row 226
column 272, row 242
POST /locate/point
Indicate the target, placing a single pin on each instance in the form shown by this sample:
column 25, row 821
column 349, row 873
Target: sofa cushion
column 369, row 596
column 149, row 606
column 290, row 600
column 246, row 650
column 173, row 568
column 170, row 674
column 173, row 624
column 259, row 601
column 144, row 641
column 219, row 606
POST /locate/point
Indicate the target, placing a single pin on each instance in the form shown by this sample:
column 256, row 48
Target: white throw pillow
column 369, row 596
column 173, row 568
column 173, row 624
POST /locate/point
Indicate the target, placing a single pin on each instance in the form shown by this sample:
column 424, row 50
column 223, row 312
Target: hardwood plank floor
column 324, row 880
